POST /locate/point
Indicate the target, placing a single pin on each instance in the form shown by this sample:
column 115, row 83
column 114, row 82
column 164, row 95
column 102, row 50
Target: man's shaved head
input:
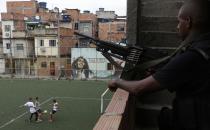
column 198, row 12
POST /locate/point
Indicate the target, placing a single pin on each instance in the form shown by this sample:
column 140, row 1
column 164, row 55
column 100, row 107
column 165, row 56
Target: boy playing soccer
column 32, row 109
column 54, row 110
column 38, row 108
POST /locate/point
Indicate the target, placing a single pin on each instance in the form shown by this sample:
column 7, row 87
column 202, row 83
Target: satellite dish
column 37, row 17
column 25, row 18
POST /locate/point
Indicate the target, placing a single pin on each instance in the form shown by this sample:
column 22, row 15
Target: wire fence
column 63, row 74
column 47, row 63
column 66, row 74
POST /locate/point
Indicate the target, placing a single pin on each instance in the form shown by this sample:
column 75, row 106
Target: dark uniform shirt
column 188, row 70
column 188, row 74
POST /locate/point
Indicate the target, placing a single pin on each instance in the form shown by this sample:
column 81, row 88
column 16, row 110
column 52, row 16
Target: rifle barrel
column 107, row 46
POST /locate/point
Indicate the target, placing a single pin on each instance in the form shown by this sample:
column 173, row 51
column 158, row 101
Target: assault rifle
column 134, row 57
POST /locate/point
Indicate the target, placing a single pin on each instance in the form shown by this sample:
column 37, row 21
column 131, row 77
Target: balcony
column 19, row 34
column 43, row 32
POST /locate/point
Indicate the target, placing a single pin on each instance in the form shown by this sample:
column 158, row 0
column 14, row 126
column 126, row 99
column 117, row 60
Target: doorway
column 52, row 68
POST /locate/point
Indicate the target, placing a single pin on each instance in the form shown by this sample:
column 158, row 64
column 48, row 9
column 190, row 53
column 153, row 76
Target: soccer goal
column 102, row 99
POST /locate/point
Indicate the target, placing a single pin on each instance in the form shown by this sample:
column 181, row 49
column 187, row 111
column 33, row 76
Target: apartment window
column 7, row 28
column 76, row 26
column 19, row 47
column 120, row 27
column 41, row 42
column 83, row 43
column 8, row 46
column 52, row 42
column 44, row 64
column 86, row 29
column 109, row 66
column 69, row 61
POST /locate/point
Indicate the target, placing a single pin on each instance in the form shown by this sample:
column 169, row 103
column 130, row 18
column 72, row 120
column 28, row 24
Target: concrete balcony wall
column 160, row 8
column 53, row 31
column 19, row 34
column 160, row 39
column 152, row 23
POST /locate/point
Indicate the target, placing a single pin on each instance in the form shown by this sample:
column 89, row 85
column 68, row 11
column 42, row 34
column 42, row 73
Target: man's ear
column 189, row 22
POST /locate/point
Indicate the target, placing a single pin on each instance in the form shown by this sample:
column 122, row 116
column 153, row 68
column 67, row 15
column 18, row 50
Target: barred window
column 41, row 42
column 76, row 26
column 86, row 29
column 7, row 28
column 109, row 66
column 52, row 42
column 120, row 27
column 8, row 45
column 44, row 64
column 19, row 47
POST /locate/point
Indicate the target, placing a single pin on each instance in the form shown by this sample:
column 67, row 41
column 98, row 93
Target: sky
column 119, row 6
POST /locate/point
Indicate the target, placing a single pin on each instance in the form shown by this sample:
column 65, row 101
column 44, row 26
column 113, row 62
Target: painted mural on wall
column 81, row 69
column 88, row 63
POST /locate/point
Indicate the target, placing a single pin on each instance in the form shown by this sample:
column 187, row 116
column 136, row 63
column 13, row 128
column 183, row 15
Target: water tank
column 42, row 4
column 86, row 11
column 66, row 18
column 101, row 9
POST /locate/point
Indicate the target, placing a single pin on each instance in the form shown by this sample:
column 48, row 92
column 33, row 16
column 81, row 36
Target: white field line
column 12, row 120
column 18, row 117
column 46, row 100
column 79, row 98
column 73, row 98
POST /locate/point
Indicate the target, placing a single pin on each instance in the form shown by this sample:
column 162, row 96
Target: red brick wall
column 18, row 7
column 42, row 71
column 17, row 18
column 48, row 16
column 109, row 31
column 74, row 13
column 12, row 16
column 19, row 25
column 67, row 40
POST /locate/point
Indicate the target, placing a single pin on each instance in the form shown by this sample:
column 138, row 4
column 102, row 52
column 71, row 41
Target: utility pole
column 56, row 9
column 58, row 37
column 11, row 63
column 110, row 31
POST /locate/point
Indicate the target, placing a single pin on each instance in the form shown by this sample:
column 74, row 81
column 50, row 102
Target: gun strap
column 185, row 44
column 201, row 52
column 152, row 63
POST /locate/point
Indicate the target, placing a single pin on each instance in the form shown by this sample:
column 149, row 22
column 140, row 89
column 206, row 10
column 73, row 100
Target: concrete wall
column 28, row 48
column 2, row 66
column 88, row 20
column 7, row 34
column 46, row 50
column 101, row 13
column 152, row 23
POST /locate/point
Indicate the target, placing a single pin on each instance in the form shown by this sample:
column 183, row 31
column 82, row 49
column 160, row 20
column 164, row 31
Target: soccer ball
column 45, row 111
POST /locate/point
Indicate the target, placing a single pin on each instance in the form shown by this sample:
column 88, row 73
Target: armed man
column 187, row 73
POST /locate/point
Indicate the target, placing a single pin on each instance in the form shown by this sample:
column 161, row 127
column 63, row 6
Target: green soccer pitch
column 79, row 103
